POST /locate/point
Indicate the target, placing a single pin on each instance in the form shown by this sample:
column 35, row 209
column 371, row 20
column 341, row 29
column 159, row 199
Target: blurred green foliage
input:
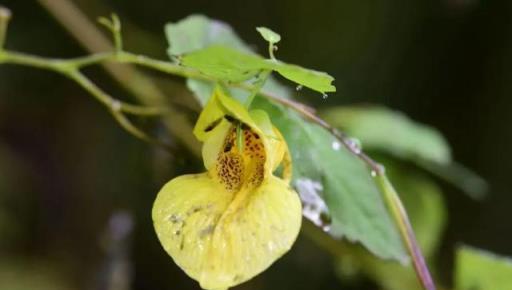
column 477, row 269
column 392, row 132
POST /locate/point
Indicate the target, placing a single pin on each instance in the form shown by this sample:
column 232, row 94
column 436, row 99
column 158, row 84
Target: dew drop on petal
column 270, row 246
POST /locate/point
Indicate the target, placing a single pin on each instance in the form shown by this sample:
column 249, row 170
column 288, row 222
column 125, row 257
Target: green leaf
column 269, row 35
column 390, row 131
column 460, row 176
column 315, row 80
column 225, row 63
column 201, row 89
column 275, row 88
column 481, row 270
column 197, row 32
column 324, row 170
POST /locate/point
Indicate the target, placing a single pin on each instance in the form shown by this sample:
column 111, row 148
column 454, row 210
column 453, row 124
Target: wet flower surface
column 226, row 225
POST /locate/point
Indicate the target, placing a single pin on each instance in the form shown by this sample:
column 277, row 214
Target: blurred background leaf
column 478, row 269
column 196, row 32
column 390, row 131
column 383, row 130
column 16, row 274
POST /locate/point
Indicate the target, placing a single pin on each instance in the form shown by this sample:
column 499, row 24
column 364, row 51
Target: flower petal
column 220, row 105
column 222, row 239
column 210, row 117
column 215, row 142
column 184, row 210
column 273, row 141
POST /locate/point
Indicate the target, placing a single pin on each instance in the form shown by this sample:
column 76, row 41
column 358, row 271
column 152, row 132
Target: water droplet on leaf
column 336, row 145
column 326, row 220
column 116, row 105
column 355, row 145
column 314, row 207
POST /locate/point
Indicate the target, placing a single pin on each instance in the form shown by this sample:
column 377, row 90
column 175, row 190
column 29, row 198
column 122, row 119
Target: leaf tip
column 268, row 34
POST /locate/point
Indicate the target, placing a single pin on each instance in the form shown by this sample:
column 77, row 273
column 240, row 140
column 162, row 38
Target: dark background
column 67, row 168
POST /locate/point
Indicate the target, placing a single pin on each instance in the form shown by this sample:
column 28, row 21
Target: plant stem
column 109, row 101
column 271, row 48
column 70, row 68
column 400, row 217
column 256, row 88
column 143, row 88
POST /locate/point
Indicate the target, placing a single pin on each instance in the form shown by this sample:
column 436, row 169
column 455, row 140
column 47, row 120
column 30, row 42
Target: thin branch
column 289, row 102
column 71, row 68
column 117, row 108
column 109, row 101
column 399, row 214
column 137, row 83
column 114, row 25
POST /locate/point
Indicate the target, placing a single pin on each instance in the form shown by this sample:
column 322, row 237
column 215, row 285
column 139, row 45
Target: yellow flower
column 229, row 224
